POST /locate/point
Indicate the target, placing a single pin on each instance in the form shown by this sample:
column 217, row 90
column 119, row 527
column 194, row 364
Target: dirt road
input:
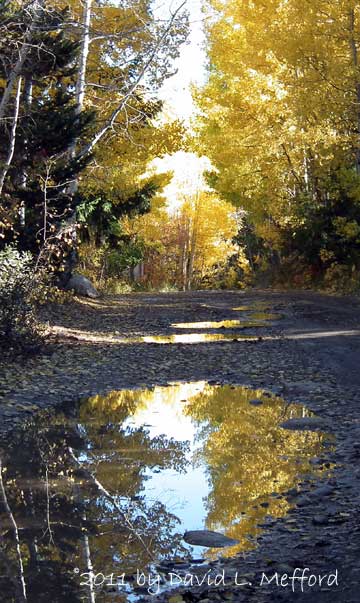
column 309, row 353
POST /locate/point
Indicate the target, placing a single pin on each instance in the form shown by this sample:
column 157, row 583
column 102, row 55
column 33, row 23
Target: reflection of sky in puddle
column 183, row 493
column 251, row 319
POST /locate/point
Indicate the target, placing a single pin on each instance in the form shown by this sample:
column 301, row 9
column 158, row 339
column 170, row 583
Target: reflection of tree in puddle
column 33, row 516
column 74, row 494
column 255, row 307
column 250, row 460
column 74, row 490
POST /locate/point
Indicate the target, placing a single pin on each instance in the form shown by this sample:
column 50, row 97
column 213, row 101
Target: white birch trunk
column 35, row 9
column 28, row 96
column 84, row 54
column 83, row 59
column 4, row 170
column 5, row 99
column 81, row 76
column 193, row 242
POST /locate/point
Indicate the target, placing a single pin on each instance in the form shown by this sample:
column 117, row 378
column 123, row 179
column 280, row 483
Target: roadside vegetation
column 78, row 125
column 280, row 122
column 82, row 123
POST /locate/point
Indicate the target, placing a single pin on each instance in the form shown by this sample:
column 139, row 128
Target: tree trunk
column 79, row 98
column 193, row 243
column 84, row 54
column 83, row 60
column 28, row 96
column 4, row 170
column 35, row 9
column 81, row 77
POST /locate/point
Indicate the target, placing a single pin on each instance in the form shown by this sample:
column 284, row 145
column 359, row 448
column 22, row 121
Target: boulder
column 82, row 286
column 208, row 538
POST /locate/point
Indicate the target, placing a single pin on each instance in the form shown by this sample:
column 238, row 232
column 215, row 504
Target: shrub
column 115, row 286
column 19, row 328
column 341, row 279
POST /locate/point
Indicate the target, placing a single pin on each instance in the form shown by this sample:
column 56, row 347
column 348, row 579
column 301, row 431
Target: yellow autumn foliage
column 185, row 244
column 281, row 102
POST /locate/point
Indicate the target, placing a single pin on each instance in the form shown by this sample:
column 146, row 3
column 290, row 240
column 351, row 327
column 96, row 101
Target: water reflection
column 221, row 324
column 250, row 460
column 190, row 338
column 252, row 318
column 255, row 307
column 113, row 483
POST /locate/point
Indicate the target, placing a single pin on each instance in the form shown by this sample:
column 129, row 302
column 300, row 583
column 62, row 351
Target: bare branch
column 109, row 497
column 111, row 121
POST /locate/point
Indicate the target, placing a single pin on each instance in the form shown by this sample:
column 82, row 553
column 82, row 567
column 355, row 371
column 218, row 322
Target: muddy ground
column 311, row 356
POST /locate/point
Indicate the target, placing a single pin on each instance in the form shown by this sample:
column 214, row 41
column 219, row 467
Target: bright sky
column 188, row 176
column 187, row 167
column 191, row 63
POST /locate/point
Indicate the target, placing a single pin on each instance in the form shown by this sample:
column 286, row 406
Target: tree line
column 79, row 85
column 280, row 121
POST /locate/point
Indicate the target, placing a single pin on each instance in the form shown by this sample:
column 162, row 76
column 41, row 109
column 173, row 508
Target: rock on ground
column 208, row 538
column 82, row 286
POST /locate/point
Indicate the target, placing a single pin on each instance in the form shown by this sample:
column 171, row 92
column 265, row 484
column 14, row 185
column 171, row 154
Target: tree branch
column 88, row 148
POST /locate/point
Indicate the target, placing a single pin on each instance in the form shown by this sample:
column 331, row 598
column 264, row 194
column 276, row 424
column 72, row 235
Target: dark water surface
column 107, row 486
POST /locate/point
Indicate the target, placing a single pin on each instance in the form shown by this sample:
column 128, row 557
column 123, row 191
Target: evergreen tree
column 36, row 205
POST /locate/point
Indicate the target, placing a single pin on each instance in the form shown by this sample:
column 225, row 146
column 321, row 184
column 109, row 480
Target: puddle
column 257, row 311
column 255, row 307
column 197, row 338
column 183, row 338
column 113, row 483
column 221, row 324
column 253, row 318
